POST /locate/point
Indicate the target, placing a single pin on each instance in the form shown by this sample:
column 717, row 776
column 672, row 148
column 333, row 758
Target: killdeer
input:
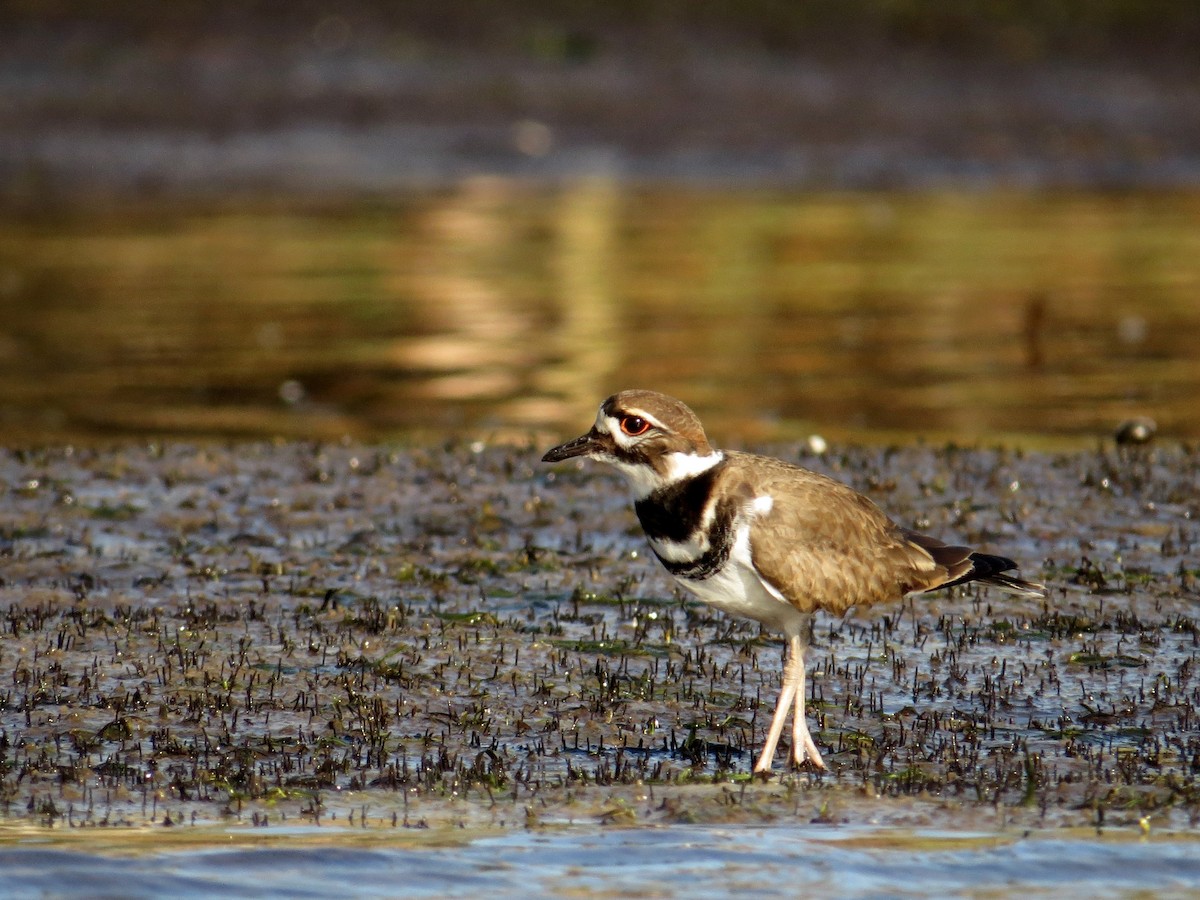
column 761, row 538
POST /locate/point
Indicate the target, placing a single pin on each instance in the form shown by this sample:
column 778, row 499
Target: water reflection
column 499, row 308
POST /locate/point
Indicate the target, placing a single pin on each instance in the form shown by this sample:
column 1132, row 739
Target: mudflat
column 455, row 634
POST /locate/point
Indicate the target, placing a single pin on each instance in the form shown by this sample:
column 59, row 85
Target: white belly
column 736, row 589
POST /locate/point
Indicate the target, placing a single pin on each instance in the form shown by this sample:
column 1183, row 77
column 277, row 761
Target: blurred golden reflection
column 497, row 309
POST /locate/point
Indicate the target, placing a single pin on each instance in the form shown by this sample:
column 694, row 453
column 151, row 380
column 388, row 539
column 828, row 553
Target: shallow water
column 500, row 308
column 698, row 862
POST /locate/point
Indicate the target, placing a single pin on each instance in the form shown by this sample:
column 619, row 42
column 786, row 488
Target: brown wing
column 825, row 546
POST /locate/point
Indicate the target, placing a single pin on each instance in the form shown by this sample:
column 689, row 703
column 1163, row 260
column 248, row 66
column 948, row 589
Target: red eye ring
column 634, row 425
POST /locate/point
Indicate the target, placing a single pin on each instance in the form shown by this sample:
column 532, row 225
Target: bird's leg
column 802, row 742
column 791, row 693
column 786, row 693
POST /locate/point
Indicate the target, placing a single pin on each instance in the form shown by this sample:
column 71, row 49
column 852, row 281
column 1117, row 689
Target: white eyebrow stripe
column 612, row 425
column 642, row 414
column 614, row 422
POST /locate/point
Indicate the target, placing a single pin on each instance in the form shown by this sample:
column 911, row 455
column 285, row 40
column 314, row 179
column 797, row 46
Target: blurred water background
column 504, row 309
column 392, row 221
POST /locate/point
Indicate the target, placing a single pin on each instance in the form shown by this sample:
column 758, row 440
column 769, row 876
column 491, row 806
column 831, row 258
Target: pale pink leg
column 802, row 742
column 786, row 693
column 791, row 692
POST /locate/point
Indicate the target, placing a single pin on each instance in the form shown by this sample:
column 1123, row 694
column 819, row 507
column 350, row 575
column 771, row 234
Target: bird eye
column 634, row 425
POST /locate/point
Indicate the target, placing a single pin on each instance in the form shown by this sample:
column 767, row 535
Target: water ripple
column 699, row 862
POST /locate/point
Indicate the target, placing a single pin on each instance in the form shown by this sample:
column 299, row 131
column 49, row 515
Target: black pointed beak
column 584, row 445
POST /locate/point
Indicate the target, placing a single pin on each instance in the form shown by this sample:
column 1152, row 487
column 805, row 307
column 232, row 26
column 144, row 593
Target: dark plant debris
column 461, row 636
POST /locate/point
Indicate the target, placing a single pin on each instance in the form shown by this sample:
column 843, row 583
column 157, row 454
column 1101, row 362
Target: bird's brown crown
column 663, row 424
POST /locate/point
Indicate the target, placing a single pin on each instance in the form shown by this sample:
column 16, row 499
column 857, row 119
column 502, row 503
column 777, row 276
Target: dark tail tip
column 1018, row 586
column 988, row 569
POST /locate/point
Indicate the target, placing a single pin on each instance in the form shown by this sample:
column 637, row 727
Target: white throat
column 678, row 467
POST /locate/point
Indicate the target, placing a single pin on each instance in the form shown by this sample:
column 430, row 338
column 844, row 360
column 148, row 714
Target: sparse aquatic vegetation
column 309, row 633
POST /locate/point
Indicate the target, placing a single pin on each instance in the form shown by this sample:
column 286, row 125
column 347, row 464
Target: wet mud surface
column 288, row 634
